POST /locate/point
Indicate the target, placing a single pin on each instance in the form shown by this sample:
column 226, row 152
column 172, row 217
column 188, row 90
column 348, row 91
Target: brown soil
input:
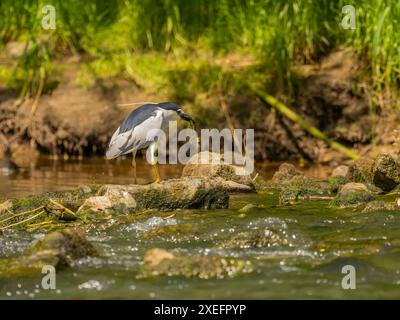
column 72, row 120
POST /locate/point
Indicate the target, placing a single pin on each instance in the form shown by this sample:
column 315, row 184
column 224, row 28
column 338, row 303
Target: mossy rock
column 360, row 170
column 253, row 239
column 376, row 205
column 286, row 171
column 71, row 199
column 211, row 165
column 300, row 188
column 178, row 230
column 386, row 172
column 337, row 182
column 158, row 262
column 99, row 203
column 249, row 207
column 184, row 193
column 260, row 184
column 58, row 249
column 352, row 195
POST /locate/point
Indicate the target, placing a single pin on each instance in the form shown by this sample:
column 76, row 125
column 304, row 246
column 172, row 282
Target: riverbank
column 257, row 243
column 329, row 95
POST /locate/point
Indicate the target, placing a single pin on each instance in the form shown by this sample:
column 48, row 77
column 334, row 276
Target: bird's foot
column 158, row 180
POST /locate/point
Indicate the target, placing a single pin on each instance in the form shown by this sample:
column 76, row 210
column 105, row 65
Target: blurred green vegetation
column 181, row 42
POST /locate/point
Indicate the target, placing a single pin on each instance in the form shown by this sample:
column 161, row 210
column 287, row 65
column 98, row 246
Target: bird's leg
column 157, row 173
column 153, row 161
column 134, row 167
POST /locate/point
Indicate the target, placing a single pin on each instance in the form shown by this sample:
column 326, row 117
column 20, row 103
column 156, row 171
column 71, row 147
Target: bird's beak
column 186, row 117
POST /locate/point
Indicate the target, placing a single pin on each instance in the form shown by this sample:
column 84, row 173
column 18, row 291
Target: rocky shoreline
column 65, row 217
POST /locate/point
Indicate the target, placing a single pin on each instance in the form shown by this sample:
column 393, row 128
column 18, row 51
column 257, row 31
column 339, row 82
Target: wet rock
column 159, row 262
column 253, row 239
column 167, row 195
column 386, row 172
column 261, row 184
column 352, row 194
column 337, row 182
column 177, row 230
column 249, row 207
column 234, row 187
column 58, row 249
column 360, row 170
column 379, row 206
column 210, row 165
column 286, row 172
column 71, row 199
column 303, row 188
column 340, row 171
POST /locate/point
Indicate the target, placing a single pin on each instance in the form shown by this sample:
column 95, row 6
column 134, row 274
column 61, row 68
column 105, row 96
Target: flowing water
column 320, row 241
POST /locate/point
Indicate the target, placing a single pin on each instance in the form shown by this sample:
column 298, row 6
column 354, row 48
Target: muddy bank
column 70, row 119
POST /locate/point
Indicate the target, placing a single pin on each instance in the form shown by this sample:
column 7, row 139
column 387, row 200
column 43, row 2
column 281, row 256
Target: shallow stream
column 320, row 241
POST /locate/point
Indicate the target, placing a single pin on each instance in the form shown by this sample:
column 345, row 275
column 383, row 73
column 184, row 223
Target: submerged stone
column 58, row 249
column 249, row 207
column 179, row 230
column 253, row 239
column 379, row 206
column 211, row 165
column 303, row 188
column 352, row 194
column 386, row 172
column 159, row 262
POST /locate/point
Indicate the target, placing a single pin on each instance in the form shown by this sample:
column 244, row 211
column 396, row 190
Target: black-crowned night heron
column 133, row 134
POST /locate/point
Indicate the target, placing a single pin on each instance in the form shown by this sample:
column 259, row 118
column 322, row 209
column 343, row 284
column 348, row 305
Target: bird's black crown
column 169, row 106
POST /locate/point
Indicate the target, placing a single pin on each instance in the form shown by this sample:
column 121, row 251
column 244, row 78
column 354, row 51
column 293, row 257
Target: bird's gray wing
column 137, row 116
column 124, row 141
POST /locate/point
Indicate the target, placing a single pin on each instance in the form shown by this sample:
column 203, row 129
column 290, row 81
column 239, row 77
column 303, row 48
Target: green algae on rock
column 44, row 211
column 253, row 239
column 386, row 172
column 167, row 195
column 99, row 203
column 58, row 249
column 303, row 188
column 211, row 165
column 286, row 171
column 249, row 207
column 352, row 194
column 159, row 262
column 376, row 205
column 181, row 229
column 337, row 181
column 360, row 170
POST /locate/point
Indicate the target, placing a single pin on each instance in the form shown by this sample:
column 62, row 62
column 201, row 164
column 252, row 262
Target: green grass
column 113, row 36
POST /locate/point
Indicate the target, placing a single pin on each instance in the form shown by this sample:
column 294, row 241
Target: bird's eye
column 179, row 111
